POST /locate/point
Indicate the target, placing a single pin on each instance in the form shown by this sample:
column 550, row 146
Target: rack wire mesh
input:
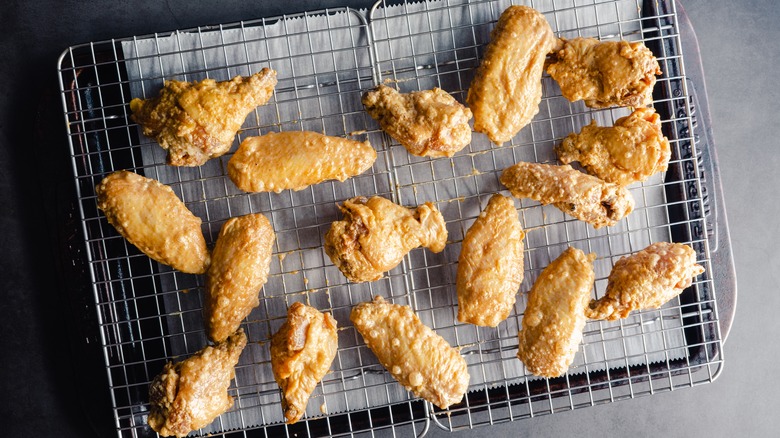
column 150, row 314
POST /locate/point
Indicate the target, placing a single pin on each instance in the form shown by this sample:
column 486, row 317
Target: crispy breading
column 150, row 216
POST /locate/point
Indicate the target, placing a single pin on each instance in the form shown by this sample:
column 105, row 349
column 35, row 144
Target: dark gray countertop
column 39, row 385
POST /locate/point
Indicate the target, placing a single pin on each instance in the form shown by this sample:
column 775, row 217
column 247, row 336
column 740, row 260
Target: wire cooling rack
column 150, row 314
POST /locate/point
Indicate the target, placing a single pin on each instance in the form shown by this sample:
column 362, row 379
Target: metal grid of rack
column 150, row 313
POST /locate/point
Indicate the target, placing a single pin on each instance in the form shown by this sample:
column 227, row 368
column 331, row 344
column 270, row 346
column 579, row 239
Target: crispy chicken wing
column 507, row 87
column 490, row 265
column 604, row 74
column 190, row 394
column 646, row 280
column 632, row 150
column 198, row 121
column 582, row 196
column 301, row 354
column 428, row 123
column 555, row 315
column 376, row 234
column 150, row 216
column 295, row 160
column 239, row 268
column 422, row 361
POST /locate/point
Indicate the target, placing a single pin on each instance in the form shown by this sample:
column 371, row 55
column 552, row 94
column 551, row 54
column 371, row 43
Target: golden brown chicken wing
column 555, row 315
column 507, row 87
column 604, row 74
column 198, row 121
column 632, row 150
column 428, row 123
column 150, row 216
column 295, row 160
column 376, row 234
column 582, row 196
column 490, row 265
column 301, row 354
column 646, row 280
column 239, row 268
column 190, row 394
column 422, row 361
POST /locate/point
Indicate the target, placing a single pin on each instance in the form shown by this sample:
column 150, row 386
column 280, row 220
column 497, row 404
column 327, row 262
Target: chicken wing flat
column 422, row 361
column 507, row 87
column 555, row 314
column 582, row 196
column 239, row 268
column 198, row 121
column 190, row 394
column 376, row 234
column 630, row 151
column 604, row 74
column 150, row 216
column 301, row 354
column 295, row 160
column 428, row 123
column 646, row 280
column 490, row 265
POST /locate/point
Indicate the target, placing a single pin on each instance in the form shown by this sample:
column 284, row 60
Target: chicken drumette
column 490, row 265
column 198, row 121
column 604, row 74
column 422, row 361
column 295, row 160
column 507, row 87
column 582, row 196
column 555, row 314
column 301, row 354
column 239, row 268
column 150, row 216
column 190, row 394
column 376, row 234
column 630, row 151
column 428, row 123
column 646, row 280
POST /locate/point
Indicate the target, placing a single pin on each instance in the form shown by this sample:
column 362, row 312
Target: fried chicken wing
column 150, row 216
column 422, row 361
column 190, row 394
column 646, row 280
column 376, row 234
column 301, row 354
column 490, row 265
column 555, row 315
column 632, row 150
column 604, row 74
column 295, row 160
column 197, row 121
column 582, row 196
column 507, row 87
column 239, row 268
column 428, row 123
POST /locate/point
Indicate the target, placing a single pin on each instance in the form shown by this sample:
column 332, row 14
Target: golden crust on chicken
column 646, row 280
column 490, row 265
column 630, row 151
column 239, row 268
column 604, row 73
column 555, row 314
column 197, row 121
column 419, row 359
column 150, row 216
column 301, row 354
column 428, row 123
column 507, row 87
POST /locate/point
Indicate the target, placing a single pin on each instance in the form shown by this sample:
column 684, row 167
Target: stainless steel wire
column 149, row 313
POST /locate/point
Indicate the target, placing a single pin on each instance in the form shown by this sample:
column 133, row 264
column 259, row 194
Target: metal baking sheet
column 150, row 313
